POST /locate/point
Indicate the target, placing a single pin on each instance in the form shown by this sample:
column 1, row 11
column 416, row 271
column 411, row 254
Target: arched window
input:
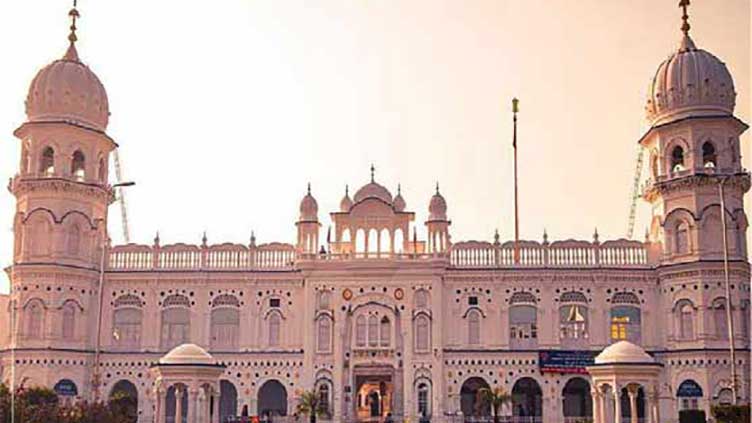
column 422, row 333
column 69, row 320
column 421, row 298
column 35, row 319
column 360, row 331
column 708, row 155
column 225, row 328
column 719, row 318
column 78, row 163
column 685, row 319
column 682, row 238
column 690, row 392
column 102, row 172
column 523, row 320
column 324, row 334
column 275, row 321
column 473, row 327
column 573, row 316
column 127, row 327
column 47, row 162
column 625, row 318
column 385, row 332
column 654, row 164
column 744, row 309
column 324, row 394
column 424, row 398
column 725, row 397
column 677, row 159
column 73, row 244
column 373, row 331
column 176, row 326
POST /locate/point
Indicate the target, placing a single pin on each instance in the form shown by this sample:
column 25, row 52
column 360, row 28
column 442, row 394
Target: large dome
column 187, row 354
column 691, row 82
column 624, row 352
column 67, row 90
column 373, row 190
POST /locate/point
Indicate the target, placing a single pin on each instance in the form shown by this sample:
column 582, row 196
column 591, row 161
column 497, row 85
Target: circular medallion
column 399, row 294
column 347, row 294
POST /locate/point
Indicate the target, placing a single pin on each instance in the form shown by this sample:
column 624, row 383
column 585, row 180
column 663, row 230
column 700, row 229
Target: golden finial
column 373, row 171
column 73, row 15
column 685, row 26
column 515, row 105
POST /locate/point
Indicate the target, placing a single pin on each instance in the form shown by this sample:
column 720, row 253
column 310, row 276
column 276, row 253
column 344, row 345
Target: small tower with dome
column 308, row 224
column 438, row 224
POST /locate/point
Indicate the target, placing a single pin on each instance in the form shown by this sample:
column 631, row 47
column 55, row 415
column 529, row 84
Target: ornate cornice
column 24, row 185
column 655, row 189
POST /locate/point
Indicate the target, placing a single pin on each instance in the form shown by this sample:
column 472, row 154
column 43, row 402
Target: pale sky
column 224, row 110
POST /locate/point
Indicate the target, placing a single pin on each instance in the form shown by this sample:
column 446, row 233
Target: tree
column 310, row 403
column 495, row 398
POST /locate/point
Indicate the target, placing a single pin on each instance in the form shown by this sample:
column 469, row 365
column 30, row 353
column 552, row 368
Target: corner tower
column 62, row 194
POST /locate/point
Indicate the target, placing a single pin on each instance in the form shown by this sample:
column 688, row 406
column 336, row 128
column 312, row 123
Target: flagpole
column 515, row 109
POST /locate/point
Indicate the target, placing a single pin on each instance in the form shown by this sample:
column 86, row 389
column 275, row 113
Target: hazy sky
column 224, row 110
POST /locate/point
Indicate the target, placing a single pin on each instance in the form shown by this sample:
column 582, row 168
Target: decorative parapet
column 463, row 255
column 562, row 254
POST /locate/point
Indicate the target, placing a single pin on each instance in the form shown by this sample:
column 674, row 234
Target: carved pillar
column 632, row 392
column 596, row 404
column 215, row 401
column 192, row 405
column 179, row 392
column 617, row 404
column 160, row 408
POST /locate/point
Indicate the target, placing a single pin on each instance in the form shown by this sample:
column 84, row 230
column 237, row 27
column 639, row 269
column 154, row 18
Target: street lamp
column 97, row 351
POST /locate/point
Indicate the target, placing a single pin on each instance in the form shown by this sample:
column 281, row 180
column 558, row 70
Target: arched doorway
column 272, row 399
column 577, row 400
column 126, row 396
column 469, row 403
column 228, row 401
column 527, row 400
column 170, row 405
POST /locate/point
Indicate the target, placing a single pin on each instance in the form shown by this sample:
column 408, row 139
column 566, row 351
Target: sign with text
column 565, row 361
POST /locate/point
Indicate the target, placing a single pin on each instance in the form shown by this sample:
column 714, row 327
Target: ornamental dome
column 309, row 208
column 399, row 202
column 188, row 354
column 373, row 190
column 346, row 203
column 624, row 352
column 437, row 208
column 67, row 90
column 691, row 82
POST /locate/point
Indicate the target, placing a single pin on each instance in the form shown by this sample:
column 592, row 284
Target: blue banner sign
column 66, row 388
column 689, row 389
column 565, row 361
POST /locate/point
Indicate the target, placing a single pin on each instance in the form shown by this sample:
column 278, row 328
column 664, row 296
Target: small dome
column 68, row 90
column 188, row 354
column 399, row 202
column 692, row 82
column 624, row 352
column 373, row 190
column 309, row 208
column 346, row 203
column 437, row 208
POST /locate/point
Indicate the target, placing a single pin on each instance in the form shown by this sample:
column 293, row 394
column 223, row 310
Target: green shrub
column 731, row 413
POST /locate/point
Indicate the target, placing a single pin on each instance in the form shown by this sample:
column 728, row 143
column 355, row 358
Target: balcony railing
column 463, row 255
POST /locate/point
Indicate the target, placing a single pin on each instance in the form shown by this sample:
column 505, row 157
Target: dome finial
column 309, row 188
column 373, row 171
column 437, row 187
column 347, row 190
column 71, row 54
column 399, row 189
column 685, row 17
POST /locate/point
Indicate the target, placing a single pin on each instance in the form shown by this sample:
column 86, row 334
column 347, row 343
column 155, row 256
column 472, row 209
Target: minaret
column 308, row 225
column 438, row 224
column 696, row 189
column 62, row 195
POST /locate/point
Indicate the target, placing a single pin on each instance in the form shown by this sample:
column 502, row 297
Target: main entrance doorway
column 374, row 396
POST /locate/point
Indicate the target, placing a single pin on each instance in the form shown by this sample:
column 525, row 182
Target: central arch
column 527, row 399
column 577, row 400
column 469, row 403
column 272, row 399
column 126, row 394
column 228, row 400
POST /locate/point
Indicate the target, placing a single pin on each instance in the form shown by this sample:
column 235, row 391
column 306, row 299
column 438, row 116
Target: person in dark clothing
column 388, row 418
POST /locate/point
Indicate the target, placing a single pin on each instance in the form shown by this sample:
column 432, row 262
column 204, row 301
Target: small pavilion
column 625, row 384
column 189, row 376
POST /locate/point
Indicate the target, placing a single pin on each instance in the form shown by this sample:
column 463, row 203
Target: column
column 617, row 404
column 602, row 411
column 179, row 391
column 647, row 404
column 215, row 401
column 632, row 392
column 596, row 404
column 192, row 402
column 656, row 403
column 160, row 405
